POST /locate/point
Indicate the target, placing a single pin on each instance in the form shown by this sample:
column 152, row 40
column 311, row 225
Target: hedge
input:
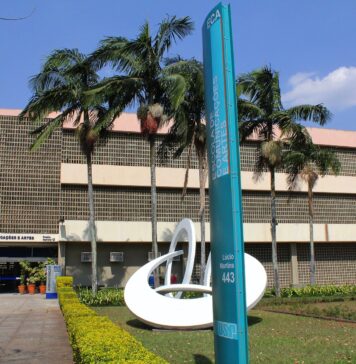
column 96, row 339
column 64, row 281
column 316, row 291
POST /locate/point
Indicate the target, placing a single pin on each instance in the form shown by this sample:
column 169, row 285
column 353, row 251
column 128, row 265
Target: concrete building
column 44, row 209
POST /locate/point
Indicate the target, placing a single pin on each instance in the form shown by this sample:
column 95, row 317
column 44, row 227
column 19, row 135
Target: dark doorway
column 9, row 274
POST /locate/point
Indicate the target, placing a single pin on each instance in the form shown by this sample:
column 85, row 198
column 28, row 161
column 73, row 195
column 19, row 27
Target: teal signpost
column 227, row 247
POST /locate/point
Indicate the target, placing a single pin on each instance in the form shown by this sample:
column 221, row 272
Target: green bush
column 64, row 281
column 316, row 291
column 190, row 294
column 104, row 297
column 96, row 339
column 312, row 291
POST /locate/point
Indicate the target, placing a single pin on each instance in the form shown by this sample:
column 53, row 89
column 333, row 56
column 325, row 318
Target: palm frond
column 261, row 87
column 248, row 111
column 327, row 161
column 45, row 131
column 176, row 86
column 317, row 113
column 293, row 163
column 109, row 53
column 40, row 105
column 170, row 30
column 248, row 128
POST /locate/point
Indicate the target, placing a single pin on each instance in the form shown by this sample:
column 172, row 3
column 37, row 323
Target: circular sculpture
column 160, row 308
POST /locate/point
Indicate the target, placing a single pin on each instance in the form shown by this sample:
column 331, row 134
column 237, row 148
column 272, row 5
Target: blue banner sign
column 227, row 246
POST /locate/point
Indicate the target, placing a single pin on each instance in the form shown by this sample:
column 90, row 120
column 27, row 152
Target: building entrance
column 9, row 275
column 10, row 258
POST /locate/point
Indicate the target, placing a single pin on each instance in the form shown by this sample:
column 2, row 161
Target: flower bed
column 96, row 339
column 104, row 297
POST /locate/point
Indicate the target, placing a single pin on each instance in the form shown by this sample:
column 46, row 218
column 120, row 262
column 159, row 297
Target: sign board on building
column 53, row 271
column 23, row 238
column 226, row 229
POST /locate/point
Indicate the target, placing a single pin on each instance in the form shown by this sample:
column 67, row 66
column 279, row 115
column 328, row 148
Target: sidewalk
column 32, row 331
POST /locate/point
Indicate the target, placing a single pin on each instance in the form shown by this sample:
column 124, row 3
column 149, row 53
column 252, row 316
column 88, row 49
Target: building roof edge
column 128, row 123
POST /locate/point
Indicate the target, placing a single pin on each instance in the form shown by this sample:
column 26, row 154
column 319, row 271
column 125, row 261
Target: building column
column 62, row 256
column 294, row 263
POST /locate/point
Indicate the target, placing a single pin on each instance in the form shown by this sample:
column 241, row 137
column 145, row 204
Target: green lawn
column 342, row 310
column 274, row 338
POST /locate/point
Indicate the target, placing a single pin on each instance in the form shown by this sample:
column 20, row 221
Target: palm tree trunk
column 154, row 204
column 94, row 274
column 311, row 232
column 274, row 234
column 202, row 183
column 186, row 176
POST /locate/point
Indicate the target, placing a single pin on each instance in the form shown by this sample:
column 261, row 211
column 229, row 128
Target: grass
column 274, row 338
column 342, row 309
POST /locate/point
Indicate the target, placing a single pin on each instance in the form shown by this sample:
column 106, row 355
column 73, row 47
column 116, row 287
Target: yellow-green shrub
column 71, row 308
column 96, row 339
column 64, row 281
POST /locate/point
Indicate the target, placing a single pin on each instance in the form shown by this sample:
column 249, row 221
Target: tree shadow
column 253, row 320
column 201, row 359
column 137, row 324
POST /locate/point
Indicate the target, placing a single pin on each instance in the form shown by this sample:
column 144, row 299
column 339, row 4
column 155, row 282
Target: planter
column 43, row 289
column 22, row 289
column 31, row 288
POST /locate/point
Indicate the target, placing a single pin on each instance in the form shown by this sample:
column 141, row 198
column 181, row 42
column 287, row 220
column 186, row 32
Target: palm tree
column 308, row 161
column 189, row 131
column 60, row 86
column 262, row 114
column 143, row 79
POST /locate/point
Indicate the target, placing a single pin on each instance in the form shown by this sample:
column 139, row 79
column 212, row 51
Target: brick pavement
column 32, row 331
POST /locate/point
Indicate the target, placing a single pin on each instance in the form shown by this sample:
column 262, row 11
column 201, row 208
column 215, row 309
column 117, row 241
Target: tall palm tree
column 262, row 114
column 60, row 86
column 188, row 132
column 143, row 79
column 308, row 161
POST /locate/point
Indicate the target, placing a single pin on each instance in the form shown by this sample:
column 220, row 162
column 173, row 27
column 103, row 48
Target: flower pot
column 22, row 289
column 31, row 288
column 42, row 288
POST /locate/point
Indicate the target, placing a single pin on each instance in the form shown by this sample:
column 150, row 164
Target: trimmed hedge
column 64, row 281
column 96, row 339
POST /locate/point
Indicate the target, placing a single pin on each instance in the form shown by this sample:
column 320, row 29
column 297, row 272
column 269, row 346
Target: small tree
column 142, row 79
column 262, row 114
column 188, row 132
column 308, row 161
column 61, row 86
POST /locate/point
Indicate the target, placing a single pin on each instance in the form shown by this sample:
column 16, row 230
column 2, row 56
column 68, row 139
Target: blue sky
column 310, row 42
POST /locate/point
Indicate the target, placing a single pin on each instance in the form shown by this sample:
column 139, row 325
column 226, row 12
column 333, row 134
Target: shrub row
column 104, row 297
column 316, row 291
column 96, row 339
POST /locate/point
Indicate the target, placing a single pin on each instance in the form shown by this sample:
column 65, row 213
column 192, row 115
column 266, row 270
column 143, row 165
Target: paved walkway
column 32, row 331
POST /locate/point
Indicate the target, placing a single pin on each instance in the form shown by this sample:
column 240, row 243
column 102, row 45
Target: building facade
column 44, row 208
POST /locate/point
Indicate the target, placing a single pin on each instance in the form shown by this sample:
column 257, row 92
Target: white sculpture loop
column 159, row 308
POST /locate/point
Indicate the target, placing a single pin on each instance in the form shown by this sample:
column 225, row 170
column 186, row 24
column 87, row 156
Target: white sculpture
column 170, row 311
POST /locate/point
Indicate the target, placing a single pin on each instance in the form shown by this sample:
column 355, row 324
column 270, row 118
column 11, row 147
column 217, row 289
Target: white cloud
column 300, row 77
column 337, row 90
